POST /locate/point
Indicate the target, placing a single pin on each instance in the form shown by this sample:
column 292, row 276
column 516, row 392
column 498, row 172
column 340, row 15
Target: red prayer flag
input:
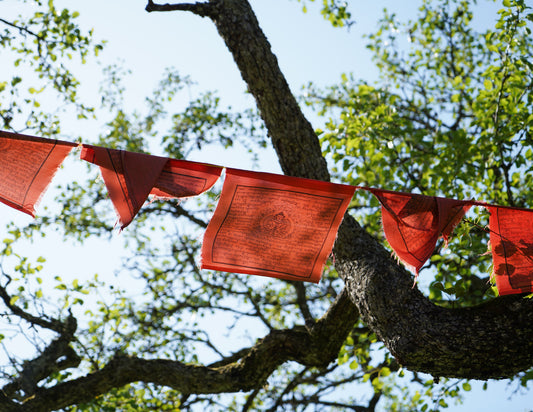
column 413, row 223
column 130, row 177
column 511, row 239
column 274, row 225
column 28, row 165
column 181, row 178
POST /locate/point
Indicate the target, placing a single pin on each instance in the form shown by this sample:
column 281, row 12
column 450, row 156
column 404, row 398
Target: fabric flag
column 511, row 243
column 413, row 223
column 130, row 177
column 181, row 178
column 274, row 225
column 28, row 165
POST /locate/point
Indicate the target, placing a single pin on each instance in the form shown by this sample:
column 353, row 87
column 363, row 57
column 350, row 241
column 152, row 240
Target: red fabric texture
column 274, row 225
column 413, row 223
column 511, row 240
column 28, row 165
column 181, row 178
column 130, row 177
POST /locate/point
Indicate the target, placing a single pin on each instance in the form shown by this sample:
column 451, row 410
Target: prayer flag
column 413, row 223
column 511, row 240
column 181, row 178
column 274, row 225
column 130, row 177
column 27, row 166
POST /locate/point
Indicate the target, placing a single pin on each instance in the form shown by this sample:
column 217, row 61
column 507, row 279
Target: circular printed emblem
column 276, row 225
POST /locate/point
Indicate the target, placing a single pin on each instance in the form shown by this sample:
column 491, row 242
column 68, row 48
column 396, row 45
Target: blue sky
column 307, row 47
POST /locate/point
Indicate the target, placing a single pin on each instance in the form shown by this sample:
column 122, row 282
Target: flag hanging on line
column 413, row 223
column 274, row 225
column 511, row 240
column 268, row 224
column 28, row 165
column 130, row 177
column 182, row 178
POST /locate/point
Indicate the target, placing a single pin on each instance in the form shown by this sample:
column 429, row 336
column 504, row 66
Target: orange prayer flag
column 511, row 243
column 130, row 177
column 27, row 166
column 274, row 225
column 181, row 178
column 413, row 223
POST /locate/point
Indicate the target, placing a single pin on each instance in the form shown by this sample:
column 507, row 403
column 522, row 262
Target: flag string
column 264, row 223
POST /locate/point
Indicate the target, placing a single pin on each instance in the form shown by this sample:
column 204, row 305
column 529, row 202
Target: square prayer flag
column 274, row 225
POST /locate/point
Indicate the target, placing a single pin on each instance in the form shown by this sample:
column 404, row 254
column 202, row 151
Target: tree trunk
column 494, row 340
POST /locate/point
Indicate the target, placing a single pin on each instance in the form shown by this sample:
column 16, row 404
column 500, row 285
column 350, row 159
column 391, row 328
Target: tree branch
column 313, row 349
column 247, row 370
column 56, row 357
column 43, row 366
column 292, row 135
column 461, row 343
column 53, row 324
column 301, row 299
column 21, row 29
column 465, row 343
column 198, row 8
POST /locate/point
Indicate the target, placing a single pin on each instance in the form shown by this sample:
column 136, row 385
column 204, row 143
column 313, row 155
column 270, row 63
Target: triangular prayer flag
column 27, row 166
column 511, row 240
column 413, row 223
column 130, row 177
column 274, row 225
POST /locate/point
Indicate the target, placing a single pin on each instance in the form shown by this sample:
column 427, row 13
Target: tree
column 453, row 110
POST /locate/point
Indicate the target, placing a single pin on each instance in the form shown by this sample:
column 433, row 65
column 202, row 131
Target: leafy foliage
column 445, row 119
column 44, row 42
column 335, row 11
